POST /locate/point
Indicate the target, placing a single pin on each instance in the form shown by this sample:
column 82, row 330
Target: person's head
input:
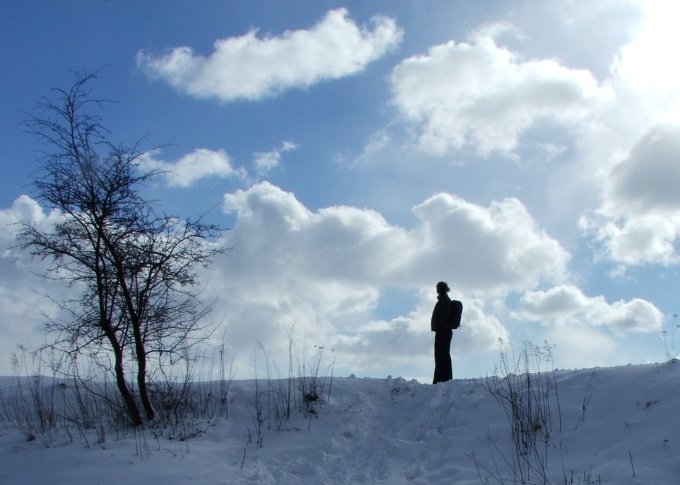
column 442, row 288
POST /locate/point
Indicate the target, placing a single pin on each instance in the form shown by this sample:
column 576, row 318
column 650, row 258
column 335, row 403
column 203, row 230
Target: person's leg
column 439, row 357
column 436, row 355
column 447, row 372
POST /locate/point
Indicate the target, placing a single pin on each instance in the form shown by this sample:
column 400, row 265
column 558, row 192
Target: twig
column 632, row 466
column 586, row 400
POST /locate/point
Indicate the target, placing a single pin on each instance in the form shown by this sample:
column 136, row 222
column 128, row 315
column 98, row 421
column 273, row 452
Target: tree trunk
column 129, row 399
column 130, row 403
column 141, row 380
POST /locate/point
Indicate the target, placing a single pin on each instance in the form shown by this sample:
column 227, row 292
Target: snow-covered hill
column 609, row 425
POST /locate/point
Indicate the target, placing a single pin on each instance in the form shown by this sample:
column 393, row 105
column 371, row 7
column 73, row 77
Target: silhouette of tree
column 137, row 269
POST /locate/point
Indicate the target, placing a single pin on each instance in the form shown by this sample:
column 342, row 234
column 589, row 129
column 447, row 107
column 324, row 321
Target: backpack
column 456, row 313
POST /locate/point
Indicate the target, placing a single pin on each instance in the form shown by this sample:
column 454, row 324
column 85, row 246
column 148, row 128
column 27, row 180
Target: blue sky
column 526, row 152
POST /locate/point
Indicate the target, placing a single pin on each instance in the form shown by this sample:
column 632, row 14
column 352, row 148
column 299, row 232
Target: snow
column 618, row 425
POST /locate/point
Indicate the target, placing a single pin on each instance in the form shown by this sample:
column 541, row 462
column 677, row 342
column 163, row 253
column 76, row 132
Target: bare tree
column 136, row 269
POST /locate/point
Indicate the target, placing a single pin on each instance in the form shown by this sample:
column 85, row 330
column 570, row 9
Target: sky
column 357, row 153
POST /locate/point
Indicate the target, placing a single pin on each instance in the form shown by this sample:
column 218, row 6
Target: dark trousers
column 442, row 357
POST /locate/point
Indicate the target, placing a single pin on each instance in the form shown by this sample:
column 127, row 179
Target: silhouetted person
column 441, row 325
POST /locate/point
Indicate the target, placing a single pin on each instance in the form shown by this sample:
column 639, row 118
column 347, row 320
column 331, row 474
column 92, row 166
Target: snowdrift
column 608, row 425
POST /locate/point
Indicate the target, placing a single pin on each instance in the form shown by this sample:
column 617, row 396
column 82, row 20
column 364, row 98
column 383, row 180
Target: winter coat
column 441, row 315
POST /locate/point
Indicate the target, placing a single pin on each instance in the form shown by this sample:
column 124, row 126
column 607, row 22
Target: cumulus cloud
column 644, row 63
column 321, row 274
column 405, row 342
column 482, row 95
column 639, row 219
column 648, row 180
column 335, row 243
column 24, row 209
column 324, row 270
column 481, row 330
column 566, row 305
column 250, row 67
column 495, row 248
column 23, row 301
column 199, row 164
column 401, row 342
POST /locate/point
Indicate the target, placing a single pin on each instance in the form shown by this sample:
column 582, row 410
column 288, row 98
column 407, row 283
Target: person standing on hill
column 442, row 326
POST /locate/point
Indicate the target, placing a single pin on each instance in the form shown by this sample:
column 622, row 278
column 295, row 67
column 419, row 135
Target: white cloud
column 644, row 81
column 495, row 248
column 646, row 64
column 199, row 164
column 639, row 219
column 581, row 346
column 24, row 209
column 249, row 67
column 626, row 168
column 405, row 342
column 336, row 243
column 265, row 162
column 648, row 180
column 482, row 249
column 324, row 272
column 481, row 330
column 566, row 305
column 482, row 95
column 24, row 303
